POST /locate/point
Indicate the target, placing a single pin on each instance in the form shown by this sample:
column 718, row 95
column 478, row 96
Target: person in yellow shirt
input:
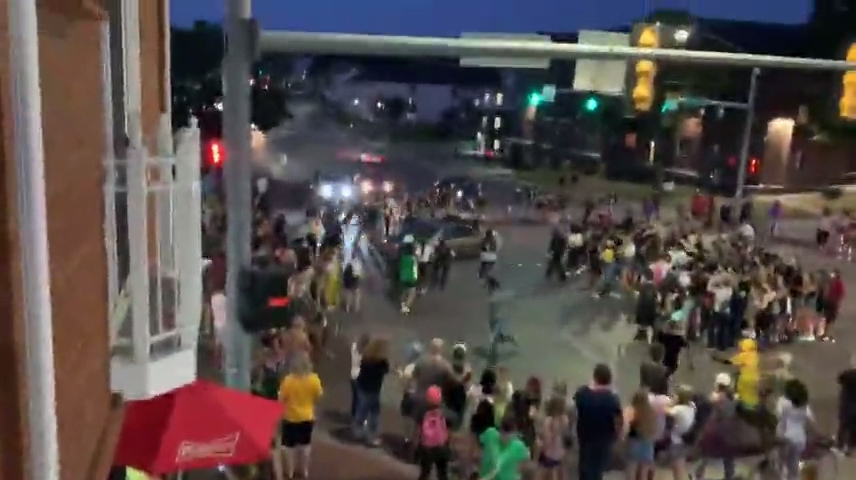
column 610, row 272
column 748, row 376
column 299, row 393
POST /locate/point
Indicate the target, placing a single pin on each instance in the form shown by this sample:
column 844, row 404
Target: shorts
column 640, row 451
column 677, row 452
column 297, row 434
column 821, row 237
column 547, row 462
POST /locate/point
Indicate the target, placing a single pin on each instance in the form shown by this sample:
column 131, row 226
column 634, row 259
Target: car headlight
column 366, row 186
column 460, row 194
column 326, row 191
column 387, row 187
column 347, row 191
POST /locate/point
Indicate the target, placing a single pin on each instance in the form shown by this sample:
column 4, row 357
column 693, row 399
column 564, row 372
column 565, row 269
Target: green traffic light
column 591, row 104
column 534, row 99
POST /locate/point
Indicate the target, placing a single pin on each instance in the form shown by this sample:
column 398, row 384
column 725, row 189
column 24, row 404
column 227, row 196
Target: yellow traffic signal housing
column 645, row 70
column 847, row 104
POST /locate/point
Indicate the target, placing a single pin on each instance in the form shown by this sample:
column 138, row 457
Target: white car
column 336, row 188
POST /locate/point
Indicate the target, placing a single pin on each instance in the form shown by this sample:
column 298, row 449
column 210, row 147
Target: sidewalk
column 334, row 460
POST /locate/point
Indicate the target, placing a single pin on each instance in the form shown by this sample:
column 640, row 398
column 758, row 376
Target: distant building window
column 497, row 123
column 499, row 99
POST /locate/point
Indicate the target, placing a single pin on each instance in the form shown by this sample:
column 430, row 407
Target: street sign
column 506, row 62
column 601, row 76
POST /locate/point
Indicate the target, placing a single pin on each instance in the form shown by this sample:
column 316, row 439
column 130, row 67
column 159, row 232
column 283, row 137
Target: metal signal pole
column 747, row 133
column 237, row 179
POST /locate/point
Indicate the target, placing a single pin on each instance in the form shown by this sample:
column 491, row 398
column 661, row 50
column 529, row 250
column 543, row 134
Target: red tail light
column 216, row 152
column 753, row 166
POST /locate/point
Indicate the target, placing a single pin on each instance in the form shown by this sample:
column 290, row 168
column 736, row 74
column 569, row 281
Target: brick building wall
column 70, row 33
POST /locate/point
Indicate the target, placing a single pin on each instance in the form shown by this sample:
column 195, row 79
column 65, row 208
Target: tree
column 832, row 22
column 196, row 52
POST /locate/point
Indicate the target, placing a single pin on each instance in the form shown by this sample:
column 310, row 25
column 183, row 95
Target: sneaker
column 405, row 309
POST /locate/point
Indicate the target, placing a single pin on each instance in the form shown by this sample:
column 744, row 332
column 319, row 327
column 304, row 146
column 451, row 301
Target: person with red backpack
column 433, row 450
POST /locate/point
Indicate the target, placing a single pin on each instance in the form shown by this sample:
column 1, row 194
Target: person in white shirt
column 683, row 413
column 424, row 256
column 795, row 423
column 747, row 232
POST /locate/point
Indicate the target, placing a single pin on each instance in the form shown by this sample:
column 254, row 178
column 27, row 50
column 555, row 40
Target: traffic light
column 847, row 104
column 645, row 70
column 591, row 104
column 534, row 99
column 264, row 299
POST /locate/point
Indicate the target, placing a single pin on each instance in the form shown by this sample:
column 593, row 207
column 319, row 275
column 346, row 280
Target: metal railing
column 159, row 306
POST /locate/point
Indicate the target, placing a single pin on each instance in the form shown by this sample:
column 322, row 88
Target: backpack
column 434, row 430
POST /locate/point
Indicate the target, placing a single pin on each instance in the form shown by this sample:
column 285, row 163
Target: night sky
column 451, row 17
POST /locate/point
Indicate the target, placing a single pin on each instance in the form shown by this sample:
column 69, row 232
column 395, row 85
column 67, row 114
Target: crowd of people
column 716, row 288
column 682, row 287
column 482, row 426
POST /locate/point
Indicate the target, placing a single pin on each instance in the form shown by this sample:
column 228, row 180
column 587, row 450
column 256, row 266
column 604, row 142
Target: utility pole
column 237, row 179
column 747, row 133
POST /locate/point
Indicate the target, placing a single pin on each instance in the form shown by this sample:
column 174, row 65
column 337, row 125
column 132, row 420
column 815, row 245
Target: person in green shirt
column 503, row 453
column 408, row 273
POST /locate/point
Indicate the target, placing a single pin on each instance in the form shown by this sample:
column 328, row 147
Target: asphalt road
column 561, row 331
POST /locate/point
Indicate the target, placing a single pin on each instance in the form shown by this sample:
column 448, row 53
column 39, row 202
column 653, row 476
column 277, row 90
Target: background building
column 74, row 50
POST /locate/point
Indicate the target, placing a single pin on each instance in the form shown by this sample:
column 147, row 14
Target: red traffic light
column 278, row 302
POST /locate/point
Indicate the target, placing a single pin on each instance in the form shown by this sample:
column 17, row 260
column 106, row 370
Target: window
column 452, row 232
column 496, row 144
column 497, row 122
column 499, row 99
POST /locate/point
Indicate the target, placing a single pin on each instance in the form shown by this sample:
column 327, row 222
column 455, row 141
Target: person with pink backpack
column 433, row 452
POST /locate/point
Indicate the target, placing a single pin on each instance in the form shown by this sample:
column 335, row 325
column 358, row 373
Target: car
column 461, row 235
column 371, row 158
column 373, row 182
column 461, row 186
column 335, row 187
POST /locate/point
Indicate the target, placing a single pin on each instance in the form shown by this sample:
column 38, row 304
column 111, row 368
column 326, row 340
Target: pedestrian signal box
column 265, row 302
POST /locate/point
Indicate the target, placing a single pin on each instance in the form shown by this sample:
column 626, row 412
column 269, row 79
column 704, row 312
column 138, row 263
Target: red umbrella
column 200, row 425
